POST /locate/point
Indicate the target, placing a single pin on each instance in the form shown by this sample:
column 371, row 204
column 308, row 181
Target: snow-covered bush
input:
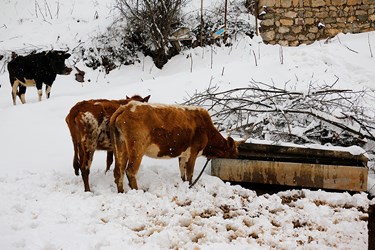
column 109, row 50
column 150, row 24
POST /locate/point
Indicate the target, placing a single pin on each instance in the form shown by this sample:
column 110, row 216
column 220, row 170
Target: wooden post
column 256, row 9
column 225, row 21
column 371, row 227
column 225, row 14
column 201, row 38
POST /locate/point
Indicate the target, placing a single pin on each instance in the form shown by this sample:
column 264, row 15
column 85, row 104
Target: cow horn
column 247, row 136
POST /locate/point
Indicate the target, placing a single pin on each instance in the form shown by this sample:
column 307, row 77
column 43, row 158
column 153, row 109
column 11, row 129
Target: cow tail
column 74, row 133
column 114, row 132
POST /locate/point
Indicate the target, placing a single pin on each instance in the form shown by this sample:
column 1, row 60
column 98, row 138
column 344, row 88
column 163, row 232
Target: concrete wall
column 295, row 22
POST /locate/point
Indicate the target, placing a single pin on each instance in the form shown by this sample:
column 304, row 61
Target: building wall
column 295, row 22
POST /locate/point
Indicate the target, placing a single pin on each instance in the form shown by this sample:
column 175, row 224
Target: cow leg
column 40, row 94
column 121, row 158
column 85, row 169
column 182, row 164
column 15, row 84
column 109, row 160
column 85, row 176
column 48, row 91
column 21, row 93
column 132, row 170
column 118, row 172
column 76, row 138
column 190, row 167
column 76, row 163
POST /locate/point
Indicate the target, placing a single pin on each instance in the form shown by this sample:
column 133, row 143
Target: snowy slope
column 43, row 204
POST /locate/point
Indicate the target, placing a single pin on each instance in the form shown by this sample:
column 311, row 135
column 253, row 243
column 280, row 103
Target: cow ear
column 127, row 97
column 146, row 98
column 231, row 142
column 67, row 55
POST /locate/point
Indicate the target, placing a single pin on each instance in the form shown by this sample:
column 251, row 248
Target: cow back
column 169, row 130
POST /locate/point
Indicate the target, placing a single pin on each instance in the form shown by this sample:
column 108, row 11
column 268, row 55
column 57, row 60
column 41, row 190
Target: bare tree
column 150, row 23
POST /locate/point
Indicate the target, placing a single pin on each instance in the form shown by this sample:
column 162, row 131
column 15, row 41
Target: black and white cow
column 34, row 70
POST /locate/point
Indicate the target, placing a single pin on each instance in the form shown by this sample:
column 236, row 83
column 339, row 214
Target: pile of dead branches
column 321, row 114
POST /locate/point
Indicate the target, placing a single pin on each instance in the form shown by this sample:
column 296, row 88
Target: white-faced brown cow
column 164, row 131
column 88, row 124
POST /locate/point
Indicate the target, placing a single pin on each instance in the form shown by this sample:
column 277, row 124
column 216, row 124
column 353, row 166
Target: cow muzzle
column 67, row 71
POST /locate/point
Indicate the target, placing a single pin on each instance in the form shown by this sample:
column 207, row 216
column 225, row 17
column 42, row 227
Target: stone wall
column 295, row 22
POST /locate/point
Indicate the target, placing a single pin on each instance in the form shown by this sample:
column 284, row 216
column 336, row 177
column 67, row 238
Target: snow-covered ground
column 43, row 205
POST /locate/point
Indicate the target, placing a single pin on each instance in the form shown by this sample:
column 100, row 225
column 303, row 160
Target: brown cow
column 88, row 124
column 164, row 131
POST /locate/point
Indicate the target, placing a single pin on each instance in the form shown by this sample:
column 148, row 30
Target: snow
column 43, row 204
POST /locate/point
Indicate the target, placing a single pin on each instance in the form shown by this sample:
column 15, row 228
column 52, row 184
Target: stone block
column 322, row 14
column 285, row 3
column 290, row 37
column 332, row 14
column 313, row 29
column 353, row 2
column 309, row 42
column 268, row 36
column 307, row 3
column 299, row 21
column 297, row 3
column 297, row 29
column 268, row 16
column 286, row 22
column 308, row 14
column 338, row 2
column 302, row 37
column 349, row 10
column 294, row 43
column 318, row 3
column 331, row 32
column 341, row 20
column 351, row 19
column 283, row 30
column 371, row 17
column 290, row 14
column 270, row 42
column 269, row 3
column 268, row 22
column 283, row 42
column 311, row 36
column 332, row 8
column 362, row 18
column 309, row 21
column 330, row 20
column 364, row 26
column 360, row 12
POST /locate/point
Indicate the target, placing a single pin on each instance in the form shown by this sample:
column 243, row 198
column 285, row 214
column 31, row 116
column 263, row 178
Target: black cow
column 34, row 70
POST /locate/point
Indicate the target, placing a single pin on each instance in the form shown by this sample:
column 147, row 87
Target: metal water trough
column 294, row 166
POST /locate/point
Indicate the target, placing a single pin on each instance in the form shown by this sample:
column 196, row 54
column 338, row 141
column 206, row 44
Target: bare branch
column 264, row 108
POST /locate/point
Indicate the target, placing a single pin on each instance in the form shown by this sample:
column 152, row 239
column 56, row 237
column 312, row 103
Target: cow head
column 228, row 148
column 57, row 61
column 221, row 148
column 233, row 148
column 138, row 98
